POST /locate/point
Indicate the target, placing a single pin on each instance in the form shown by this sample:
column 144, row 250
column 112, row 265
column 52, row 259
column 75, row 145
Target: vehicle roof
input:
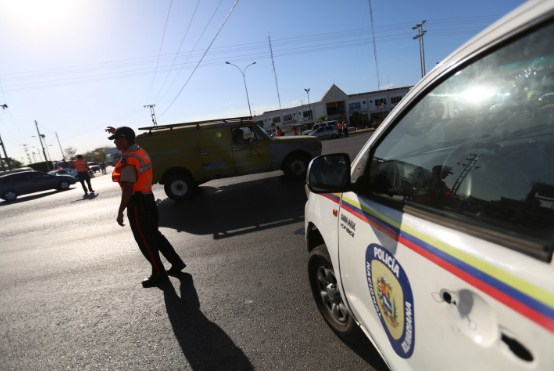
column 6, row 174
column 213, row 122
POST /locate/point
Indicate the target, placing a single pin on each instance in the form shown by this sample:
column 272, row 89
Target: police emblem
column 392, row 298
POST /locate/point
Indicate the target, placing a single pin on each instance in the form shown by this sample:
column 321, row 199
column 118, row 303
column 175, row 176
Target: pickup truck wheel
column 328, row 298
column 179, row 187
column 295, row 166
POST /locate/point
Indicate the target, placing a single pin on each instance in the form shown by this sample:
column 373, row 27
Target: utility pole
column 419, row 36
column 274, row 72
column 27, row 153
column 40, row 136
column 309, row 106
column 61, row 150
column 4, row 106
column 152, row 113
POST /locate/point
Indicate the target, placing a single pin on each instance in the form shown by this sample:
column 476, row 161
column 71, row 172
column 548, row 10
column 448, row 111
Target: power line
column 203, row 55
column 71, row 75
column 180, row 46
column 161, row 44
column 190, row 52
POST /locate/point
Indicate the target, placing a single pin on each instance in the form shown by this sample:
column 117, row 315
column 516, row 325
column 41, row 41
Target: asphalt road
column 70, row 293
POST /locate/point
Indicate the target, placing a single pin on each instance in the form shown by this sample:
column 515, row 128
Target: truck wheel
column 328, row 297
column 179, row 186
column 295, row 166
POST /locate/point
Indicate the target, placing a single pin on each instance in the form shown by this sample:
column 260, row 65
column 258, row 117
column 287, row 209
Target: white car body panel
column 499, row 293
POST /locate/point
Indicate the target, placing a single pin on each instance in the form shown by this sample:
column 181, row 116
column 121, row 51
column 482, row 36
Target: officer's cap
column 123, row 132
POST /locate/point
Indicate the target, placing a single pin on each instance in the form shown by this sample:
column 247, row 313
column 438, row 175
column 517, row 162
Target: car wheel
column 328, row 297
column 9, row 195
column 295, row 166
column 179, row 186
column 63, row 185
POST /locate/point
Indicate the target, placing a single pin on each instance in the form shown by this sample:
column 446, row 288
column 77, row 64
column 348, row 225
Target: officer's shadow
column 204, row 344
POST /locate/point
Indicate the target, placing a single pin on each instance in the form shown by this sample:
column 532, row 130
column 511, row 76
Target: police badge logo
column 392, row 298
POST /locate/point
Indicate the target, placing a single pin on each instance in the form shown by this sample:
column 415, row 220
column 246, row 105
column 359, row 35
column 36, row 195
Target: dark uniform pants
column 142, row 213
column 84, row 177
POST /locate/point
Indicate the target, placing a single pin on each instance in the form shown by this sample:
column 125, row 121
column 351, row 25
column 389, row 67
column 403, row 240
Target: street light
column 309, row 106
column 243, row 73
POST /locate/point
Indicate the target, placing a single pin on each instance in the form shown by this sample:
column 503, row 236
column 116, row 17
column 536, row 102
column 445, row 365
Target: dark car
column 70, row 172
column 15, row 184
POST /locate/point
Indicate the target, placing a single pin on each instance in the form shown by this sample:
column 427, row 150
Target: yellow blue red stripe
column 528, row 300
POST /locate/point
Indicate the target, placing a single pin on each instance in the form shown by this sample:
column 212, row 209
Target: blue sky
column 76, row 66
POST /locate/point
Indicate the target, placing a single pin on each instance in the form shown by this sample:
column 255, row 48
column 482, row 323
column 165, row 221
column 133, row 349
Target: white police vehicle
column 437, row 240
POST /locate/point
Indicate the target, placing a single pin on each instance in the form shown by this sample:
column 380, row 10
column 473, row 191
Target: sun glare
column 38, row 14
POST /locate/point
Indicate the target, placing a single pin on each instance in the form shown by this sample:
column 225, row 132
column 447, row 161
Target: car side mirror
column 329, row 173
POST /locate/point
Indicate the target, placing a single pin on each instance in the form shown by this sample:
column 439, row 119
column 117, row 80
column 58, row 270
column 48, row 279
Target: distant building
column 360, row 110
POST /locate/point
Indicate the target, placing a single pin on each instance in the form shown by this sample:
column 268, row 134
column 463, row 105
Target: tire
column 9, row 195
column 295, row 166
column 179, row 186
column 63, row 185
column 328, row 297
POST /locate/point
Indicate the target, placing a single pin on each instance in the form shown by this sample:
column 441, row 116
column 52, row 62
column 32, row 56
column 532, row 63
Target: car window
column 245, row 135
column 478, row 147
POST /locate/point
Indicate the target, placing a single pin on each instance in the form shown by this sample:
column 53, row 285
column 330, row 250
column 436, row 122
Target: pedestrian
column 83, row 171
column 345, row 129
column 133, row 172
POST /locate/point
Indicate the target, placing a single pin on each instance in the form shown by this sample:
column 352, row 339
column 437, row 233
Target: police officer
column 134, row 174
column 82, row 169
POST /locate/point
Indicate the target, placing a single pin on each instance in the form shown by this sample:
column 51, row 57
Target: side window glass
column 480, row 145
column 244, row 135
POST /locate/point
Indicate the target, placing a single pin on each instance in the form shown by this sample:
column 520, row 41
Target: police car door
column 446, row 244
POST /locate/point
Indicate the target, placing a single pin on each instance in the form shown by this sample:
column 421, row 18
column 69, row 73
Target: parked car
column 185, row 155
column 326, row 132
column 94, row 167
column 17, row 170
column 20, row 183
column 319, row 125
column 70, row 172
column 437, row 242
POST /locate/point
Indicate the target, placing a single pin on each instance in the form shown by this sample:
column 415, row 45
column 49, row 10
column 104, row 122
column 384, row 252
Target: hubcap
column 330, row 295
column 298, row 167
column 179, row 188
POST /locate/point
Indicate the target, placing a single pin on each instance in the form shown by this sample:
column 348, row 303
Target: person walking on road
column 134, row 174
column 83, row 171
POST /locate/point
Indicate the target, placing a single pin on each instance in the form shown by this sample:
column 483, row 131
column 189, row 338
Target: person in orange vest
column 82, row 169
column 133, row 172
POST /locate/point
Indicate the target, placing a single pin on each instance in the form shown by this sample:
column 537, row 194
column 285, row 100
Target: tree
column 70, row 153
column 96, row 155
column 13, row 163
